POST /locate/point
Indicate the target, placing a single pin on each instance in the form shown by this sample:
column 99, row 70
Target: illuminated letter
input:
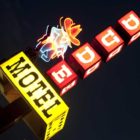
column 107, row 36
column 41, row 85
column 132, row 23
column 46, row 98
column 45, row 111
column 62, row 73
column 82, row 56
column 49, row 95
column 17, row 68
column 28, row 79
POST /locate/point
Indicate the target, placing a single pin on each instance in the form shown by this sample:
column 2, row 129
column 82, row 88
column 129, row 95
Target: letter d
column 131, row 23
column 86, row 56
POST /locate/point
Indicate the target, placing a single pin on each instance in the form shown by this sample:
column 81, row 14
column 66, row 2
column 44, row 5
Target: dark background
column 105, row 106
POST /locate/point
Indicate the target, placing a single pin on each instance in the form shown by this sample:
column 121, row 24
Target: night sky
column 104, row 106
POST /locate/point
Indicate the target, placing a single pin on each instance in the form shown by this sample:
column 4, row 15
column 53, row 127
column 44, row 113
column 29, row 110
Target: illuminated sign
column 83, row 62
column 63, row 76
column 57, row 40
column 37, row 92
column 106, row 45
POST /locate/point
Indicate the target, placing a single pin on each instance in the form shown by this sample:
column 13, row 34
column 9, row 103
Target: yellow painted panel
column 37, row 91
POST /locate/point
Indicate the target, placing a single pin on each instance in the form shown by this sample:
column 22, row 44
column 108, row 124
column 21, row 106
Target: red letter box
column 85, row 60
column 63, row 77
column 129, row 27
column 108, row 43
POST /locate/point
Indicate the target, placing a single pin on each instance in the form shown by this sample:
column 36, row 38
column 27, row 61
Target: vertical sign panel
column 37, row 92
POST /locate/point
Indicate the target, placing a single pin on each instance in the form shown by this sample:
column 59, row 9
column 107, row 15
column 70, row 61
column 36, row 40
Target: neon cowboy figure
column 56, row 40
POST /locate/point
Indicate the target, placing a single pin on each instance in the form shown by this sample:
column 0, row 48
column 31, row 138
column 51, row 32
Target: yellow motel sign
column 37, row 91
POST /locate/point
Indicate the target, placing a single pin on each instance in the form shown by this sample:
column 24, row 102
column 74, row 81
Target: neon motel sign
column 86, row 59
